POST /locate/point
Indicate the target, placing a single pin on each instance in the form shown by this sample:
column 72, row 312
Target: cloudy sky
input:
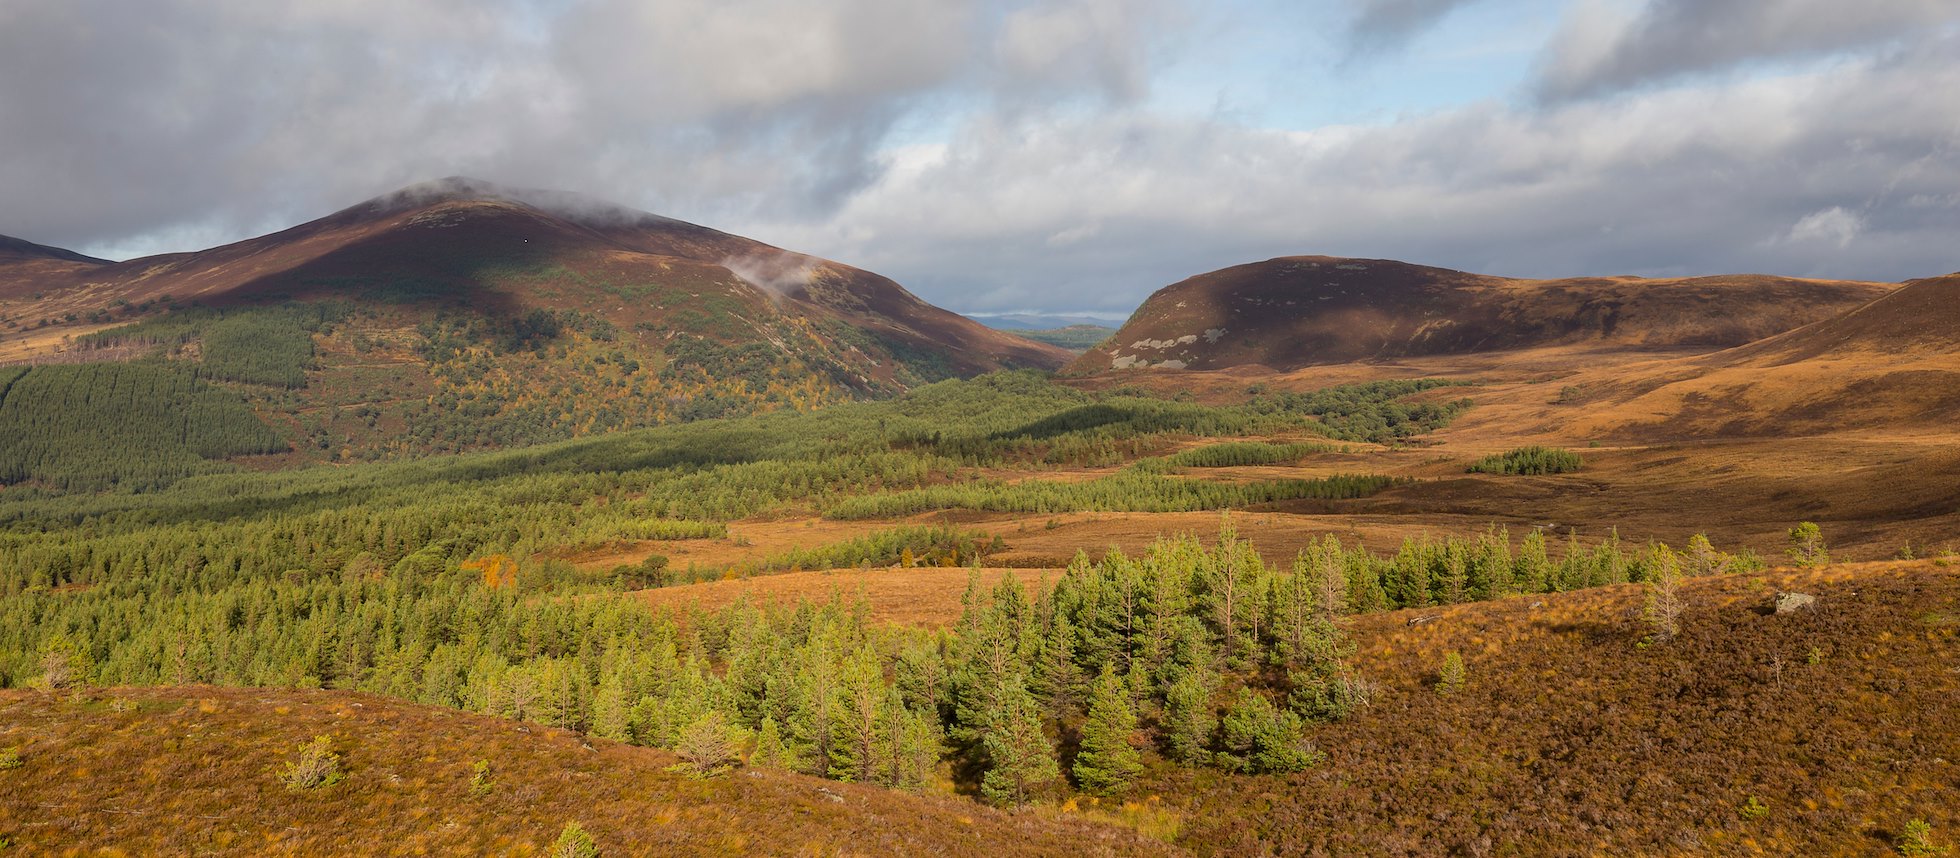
column 1033, row 155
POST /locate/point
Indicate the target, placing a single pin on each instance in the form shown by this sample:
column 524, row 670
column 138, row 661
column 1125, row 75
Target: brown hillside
column 24, row 263
column 470, row 244
column 1570, row 738
column 193, row 771
column 1892, row 363
column 1299, row 311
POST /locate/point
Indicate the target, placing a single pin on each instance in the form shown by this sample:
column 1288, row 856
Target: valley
column 610, row 534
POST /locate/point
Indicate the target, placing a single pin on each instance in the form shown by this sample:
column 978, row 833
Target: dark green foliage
column 1528, row 461
column 1370, row 411
column 258, row 345
column 1188, row 719
column 1807, row 546
column 1241, row 453
column 1128, row 492
column 920, row 545
column 131, row 425
column 1020, row 758
column 1259, row 738
column 1107, row 762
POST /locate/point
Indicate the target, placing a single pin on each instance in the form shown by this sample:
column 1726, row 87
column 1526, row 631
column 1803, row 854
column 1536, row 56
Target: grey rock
column 1790, row 603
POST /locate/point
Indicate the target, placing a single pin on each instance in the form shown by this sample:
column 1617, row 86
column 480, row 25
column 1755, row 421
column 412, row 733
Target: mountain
column 1300, row 311
column 466, row 242
column 459, row 314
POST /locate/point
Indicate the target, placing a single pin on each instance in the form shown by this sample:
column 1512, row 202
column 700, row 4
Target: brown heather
column 195, row 771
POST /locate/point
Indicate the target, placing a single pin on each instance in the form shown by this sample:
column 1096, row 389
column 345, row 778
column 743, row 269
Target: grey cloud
column 1782, row 175
column 1380, row 24
column 176, row 118
column 1602, row 50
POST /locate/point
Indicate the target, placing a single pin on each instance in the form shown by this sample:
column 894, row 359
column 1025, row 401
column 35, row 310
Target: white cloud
column 1832, row 226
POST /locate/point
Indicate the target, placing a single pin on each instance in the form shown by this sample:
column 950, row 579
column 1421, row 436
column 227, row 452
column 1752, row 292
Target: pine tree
column 861, row 689
column 1057, row 680
column 1532, row 567
column 611, row 717
column 910, row 743
column 1020, row 758
column 709, row 745
column 1807, row 547
column 573, row 842
column 1259, row 738
column 1107, row 762
column 1662, row 611
column 769, row 752
column 1188, row 719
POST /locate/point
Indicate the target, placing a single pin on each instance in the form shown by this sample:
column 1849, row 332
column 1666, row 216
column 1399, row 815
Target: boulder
column 1790, row 603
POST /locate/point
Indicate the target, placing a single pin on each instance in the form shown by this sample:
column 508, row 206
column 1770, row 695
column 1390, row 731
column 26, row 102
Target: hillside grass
column 195, row 770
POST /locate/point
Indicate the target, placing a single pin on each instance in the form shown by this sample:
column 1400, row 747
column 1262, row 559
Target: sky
column 1029, row 155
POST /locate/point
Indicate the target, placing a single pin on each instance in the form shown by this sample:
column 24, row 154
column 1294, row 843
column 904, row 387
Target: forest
column 1222, row 660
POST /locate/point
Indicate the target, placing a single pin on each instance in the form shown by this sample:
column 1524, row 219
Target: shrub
column 1528, row 461
column 708, row 746
column 1916, row 841
column 480, row 783
column 1753, row 809
column 573, row 842
column 10, row 759
column 1451, row 677
column 1807, row 547
column 316, row 766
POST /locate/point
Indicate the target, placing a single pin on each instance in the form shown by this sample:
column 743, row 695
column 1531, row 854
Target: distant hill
column 1300, row 311
column 17, row 250
column 1075, row 338
column 459, row 314
column 1038, row 321
column 24, row 264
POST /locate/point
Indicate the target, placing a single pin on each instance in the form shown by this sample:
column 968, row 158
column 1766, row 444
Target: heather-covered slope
column 1298, row 311
column 195, row 771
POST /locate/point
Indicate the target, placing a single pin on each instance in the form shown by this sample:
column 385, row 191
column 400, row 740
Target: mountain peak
column 567, row 205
